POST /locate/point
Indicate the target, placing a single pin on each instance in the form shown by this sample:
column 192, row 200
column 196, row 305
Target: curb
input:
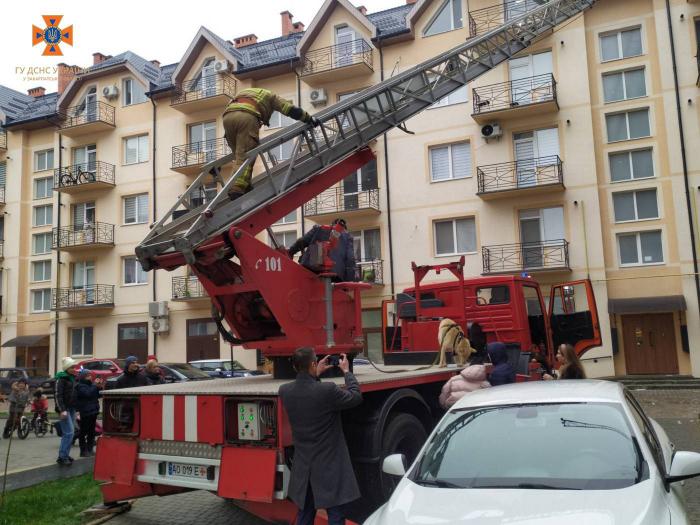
column 22, row 478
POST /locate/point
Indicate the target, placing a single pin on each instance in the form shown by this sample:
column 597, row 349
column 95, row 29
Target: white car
column 543, row 453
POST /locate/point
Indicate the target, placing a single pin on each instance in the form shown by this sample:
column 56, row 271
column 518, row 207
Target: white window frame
column 629, row 157
column 43, row 264
column 131, row 94
column 284, row 220
column 454, row 236
column 445, row 101
column 136, row 207
column 137, row 273
column 452, row 19
column 636, row 210
column 277, row 119
column 283, row 233
column 624, row 84
column 35, row 209
column 363, row 245
column 46, row 167
column 619, row 32
column 449, row 160
column 48, row 235
column 44, row 292
column 138, row 160
column 49, row 185
column 639, row 249
column 82, row 335
column 627, row 121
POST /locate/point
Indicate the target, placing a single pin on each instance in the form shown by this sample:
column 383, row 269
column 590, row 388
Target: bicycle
column 22, row 426
column 41, row 426
column 80, row 177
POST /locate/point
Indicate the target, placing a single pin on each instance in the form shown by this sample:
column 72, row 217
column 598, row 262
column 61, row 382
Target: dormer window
column 205, row 79
column 88, row 107
column 449, row 18
column 132, row 92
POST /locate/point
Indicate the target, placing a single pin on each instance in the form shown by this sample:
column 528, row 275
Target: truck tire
column 403, row 434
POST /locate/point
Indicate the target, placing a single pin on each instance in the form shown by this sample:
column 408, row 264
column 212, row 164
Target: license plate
column 188, row 471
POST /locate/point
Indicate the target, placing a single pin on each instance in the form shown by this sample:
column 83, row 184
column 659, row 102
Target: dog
column 452, row 339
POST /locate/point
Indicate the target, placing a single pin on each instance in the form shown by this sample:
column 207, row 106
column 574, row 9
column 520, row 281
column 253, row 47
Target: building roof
column 391, row 20
column 13, row 103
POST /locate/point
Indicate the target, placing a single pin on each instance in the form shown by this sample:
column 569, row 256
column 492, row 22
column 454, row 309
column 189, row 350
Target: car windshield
column 36, row 372
column 236, row 365
column 121, row 363
column 189, row 371
column 585, row 446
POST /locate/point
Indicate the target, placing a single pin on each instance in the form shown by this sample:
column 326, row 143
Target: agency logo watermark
column 52, row 35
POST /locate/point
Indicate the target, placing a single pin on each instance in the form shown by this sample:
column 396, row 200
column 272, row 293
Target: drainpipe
column 688, row 195
column 58, row 259
column 386, row 170
column 153, row 161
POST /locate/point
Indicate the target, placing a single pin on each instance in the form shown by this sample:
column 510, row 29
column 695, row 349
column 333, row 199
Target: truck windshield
column 575, row 446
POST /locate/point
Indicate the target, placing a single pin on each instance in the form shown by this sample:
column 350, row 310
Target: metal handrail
column 196, row 153
column 83, row 234
column 82, row 296
column 86, row 113
column 187, row 288
column 203, row 87
column 2, row 194
column 515, row 93
column 3, row 138
column 337, row 56
column 335, row 200
column 529, row 256
column 523, row 173
column 488, row 18
column 84, row 173
column 369, row 271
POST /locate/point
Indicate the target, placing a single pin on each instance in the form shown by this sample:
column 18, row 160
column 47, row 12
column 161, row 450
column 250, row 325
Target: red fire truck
column 232, row 436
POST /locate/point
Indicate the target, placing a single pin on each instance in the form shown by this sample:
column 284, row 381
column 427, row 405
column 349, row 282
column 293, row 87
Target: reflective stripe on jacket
column 267, row 103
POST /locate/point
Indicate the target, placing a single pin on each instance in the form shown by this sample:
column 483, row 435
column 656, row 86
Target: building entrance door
column 650, row 344
column 202, row 340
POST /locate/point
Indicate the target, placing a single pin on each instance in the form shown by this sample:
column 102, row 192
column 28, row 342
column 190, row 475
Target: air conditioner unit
column 318, row 96
column 158, row 309
column 110, row 92
column 222, row 66
column 160, row 325
column 490, row 131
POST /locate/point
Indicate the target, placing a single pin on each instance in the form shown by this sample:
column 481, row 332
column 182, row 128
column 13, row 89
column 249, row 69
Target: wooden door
column 132, row 339
column 202, row 340
column 650, row 344
column 38, row 356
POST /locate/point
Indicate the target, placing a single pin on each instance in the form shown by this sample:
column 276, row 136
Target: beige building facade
column 581, row 178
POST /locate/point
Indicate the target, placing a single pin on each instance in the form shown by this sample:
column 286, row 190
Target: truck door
column 573, row 316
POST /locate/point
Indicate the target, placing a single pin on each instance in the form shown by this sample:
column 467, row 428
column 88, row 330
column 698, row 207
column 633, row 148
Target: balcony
column 370, row 272
column 186, row 289
column 189, row 158
column 84, row 177
column 2, row 195
column 86, row 119
column 539, row 175
column 545, row 256
column 3, row 139
column 339, row 62
column 83, row 236
column 210, row 92
column 92, row 296
column 334, row 201
column 482, row 21
column 515, row 99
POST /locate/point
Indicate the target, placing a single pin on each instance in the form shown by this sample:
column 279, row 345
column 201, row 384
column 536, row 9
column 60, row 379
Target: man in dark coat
column 87, row 397
column 322, row 475
column 131, row 376
column 343, row 256
column 503, row 372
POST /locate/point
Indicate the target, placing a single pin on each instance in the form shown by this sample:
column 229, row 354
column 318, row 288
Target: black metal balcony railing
column 484, row 20
column 3, row 139
column 82, row 297
column 83, row 234
column 369, row 272
column 516, row 93
column 196, row 153
column 203, row 87
column 523, row 257
column 520, row 174
column 186, row 288
column 85, row 114
column 2, row 194
column 84, row 173
column 337, row 56
column 335, row 200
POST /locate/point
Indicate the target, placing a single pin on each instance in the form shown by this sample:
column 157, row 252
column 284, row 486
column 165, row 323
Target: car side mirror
column 684, row 465
column 113, row 369
column 394, row 465
column 218, row 370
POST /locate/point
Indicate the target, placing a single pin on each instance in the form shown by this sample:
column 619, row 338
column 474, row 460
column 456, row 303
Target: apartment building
column 581, row 176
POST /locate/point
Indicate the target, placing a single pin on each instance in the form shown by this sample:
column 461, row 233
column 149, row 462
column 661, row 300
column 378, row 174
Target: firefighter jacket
column 263, row 103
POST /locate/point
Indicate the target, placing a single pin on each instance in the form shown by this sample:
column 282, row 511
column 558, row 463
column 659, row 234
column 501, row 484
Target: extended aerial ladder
column 270, row 302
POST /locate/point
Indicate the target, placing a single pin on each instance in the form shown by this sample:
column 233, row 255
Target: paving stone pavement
column 32, row 451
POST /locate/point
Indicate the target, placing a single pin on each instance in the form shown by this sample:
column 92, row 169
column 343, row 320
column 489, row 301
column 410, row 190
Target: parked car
column 103, row 368
column 173, row 373
column 550, row 451
column 224, row 368
column 35, row 377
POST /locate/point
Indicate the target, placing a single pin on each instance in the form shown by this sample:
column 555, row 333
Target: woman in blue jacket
column 88, row 406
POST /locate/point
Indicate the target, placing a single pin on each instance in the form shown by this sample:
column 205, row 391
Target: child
column 18, row 401
column 40, row 406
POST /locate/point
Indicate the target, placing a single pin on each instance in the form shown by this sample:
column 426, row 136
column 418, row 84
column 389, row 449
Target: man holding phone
column 322, row 475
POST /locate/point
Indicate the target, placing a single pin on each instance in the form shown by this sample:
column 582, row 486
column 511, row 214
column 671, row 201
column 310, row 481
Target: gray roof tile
column 13, row 102
column 391, row 20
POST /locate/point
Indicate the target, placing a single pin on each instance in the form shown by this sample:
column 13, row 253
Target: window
column 133, row 92
column 133, row 331
column 136, row 149
column 133, row 273
column 81, row 341
column 206, row 328
column 43, row 188
column 493, row 295
column 635, row 206
column 451, row 162
column 631, row 165
column 449, row 17
column 640, row 248
column 356, row 187
column 277, row 120
column 136, row 209
column 628, row 126
column 455, row 97
column 43, row 215
column 203, row 195
column 85, row 157
column 3, row 173
column 42, row 243
column 624, row 85
column 281, row 152
column 289, row 218
column 623, row 44
column 41, row 300
column 202, row 140
column 534, row 150
column 41, row 271
column 367, row 245
column 43, row 160
column 455, row 236
column 285, row 239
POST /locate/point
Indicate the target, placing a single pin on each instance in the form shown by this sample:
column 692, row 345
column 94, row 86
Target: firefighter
column 250, row 109
column 343, row 256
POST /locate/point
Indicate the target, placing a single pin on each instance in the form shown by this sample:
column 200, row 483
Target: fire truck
column 232, row 436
